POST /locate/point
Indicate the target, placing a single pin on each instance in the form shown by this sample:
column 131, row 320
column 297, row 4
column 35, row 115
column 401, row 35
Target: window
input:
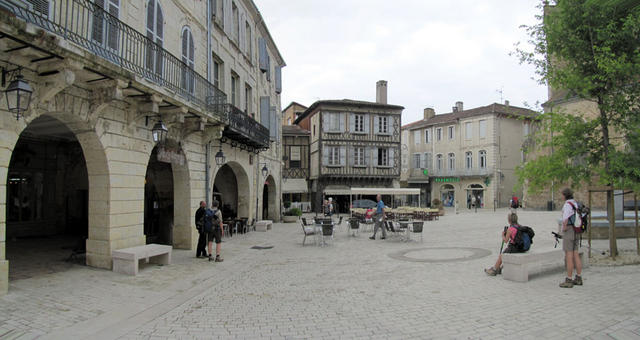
column 439, row 134
column 294, row 156
column 439, row 162
column 248, row 40
column 483, row 128
column 103, row 30
column 416, row 137
column 289, row 121
column 482, row 155
column 428, row 161
column 359, row 158
column 235, row 81
column 236, row 22
column 358, row 123
column 333, row 156
column 417, row 161
column 382, row 125
column 332, row 122
column 155, row 19
column 452, row 131
column 468, row 159
column 188, row 51
column 383, row 157
column 468, row 132
column 217, row 9
column 452, row 161
column 247, row 100
column 217, row 72
column 427, row 136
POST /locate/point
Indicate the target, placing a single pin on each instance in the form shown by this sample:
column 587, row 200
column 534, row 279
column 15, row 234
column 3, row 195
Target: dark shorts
column 215, row 235
column 511, row 248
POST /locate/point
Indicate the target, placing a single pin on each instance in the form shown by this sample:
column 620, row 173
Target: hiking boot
column 372, row 237
column 568, row 283
column 219, row 259
column 577, row 281
column 491, row 271
column 383, row 237
column 499, row 271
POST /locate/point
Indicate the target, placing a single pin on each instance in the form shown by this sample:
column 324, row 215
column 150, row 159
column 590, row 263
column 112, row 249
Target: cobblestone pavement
column 352, row 288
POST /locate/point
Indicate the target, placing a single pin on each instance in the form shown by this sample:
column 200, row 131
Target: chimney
column 506, row 103
column 429, row 113
column 381, row 92
column 459, row 107
column 454, row 109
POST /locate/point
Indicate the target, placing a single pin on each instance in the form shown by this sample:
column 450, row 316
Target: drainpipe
column 257, row 183
column 209, row 41
column 207, row 166
column 207, row 173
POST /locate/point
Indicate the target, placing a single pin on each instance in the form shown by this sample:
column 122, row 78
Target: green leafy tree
column 588, row 49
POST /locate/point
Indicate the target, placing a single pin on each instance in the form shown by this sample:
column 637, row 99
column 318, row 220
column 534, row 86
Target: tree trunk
column 604, row 124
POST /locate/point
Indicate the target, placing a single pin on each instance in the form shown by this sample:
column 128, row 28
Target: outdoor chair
column 308, row 231
column 354, row 226
column 417, row 228
column 327, row 231
column 304, row 222
column 390, row 228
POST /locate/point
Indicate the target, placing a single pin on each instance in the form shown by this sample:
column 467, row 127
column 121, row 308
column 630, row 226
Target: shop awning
column 337, row 190
column 295, row 186
column 385, row 191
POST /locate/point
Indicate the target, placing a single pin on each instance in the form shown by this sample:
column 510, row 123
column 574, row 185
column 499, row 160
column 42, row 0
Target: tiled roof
column 294, row 103
column 359, row 103
column 294, row 130
column 494, row 108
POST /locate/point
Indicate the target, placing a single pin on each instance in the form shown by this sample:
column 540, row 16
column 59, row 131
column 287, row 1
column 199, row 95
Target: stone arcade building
column 80, row 161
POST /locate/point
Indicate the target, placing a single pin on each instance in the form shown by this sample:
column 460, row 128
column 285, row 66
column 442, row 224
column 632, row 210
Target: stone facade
column 108, row 98
column 466, row 152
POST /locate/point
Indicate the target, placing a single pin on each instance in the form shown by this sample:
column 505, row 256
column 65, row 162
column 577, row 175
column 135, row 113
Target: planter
column 289, row 219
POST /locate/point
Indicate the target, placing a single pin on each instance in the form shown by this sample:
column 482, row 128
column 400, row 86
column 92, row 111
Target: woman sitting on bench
column 508, row 236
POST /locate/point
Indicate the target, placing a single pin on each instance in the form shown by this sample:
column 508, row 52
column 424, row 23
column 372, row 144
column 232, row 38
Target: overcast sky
column 432, row 53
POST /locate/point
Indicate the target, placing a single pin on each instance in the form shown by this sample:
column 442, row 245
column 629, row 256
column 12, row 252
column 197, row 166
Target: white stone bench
column 264, row 225
column 518, row 266
column 125, row 261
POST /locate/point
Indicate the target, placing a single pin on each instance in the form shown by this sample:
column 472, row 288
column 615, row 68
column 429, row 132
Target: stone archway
column 98, row 252
column 232, row 189
column 477, row 191
column 269, row 200
column 447, row 194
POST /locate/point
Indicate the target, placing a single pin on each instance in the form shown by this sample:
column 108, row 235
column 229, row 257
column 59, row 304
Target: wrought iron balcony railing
column 88, row 25
column 244, row 129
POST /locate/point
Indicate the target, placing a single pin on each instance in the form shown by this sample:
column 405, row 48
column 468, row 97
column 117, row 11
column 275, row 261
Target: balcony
column 245, row 130
column 95, row 30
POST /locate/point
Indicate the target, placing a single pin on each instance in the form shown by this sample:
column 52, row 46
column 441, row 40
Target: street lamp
column 265, row 170
column 18, row 94
column 220, row 159
column 159, row 132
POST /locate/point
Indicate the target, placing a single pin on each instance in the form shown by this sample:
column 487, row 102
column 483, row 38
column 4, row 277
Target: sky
column 431, row 53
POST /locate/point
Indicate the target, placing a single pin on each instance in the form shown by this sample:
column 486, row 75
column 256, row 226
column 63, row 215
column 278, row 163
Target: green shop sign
column 447, row 179
column 425, row 172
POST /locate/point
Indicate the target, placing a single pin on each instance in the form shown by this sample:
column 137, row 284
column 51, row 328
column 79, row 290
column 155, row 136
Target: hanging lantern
column 159, row 132
column 18, row 95
column 220, row 157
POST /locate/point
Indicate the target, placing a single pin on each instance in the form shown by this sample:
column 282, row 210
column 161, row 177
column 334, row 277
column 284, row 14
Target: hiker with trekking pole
column 518, row 240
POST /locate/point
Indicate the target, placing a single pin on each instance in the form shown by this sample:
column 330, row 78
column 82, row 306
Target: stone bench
column 126, row 261
column 518, row 266
column 264, row 225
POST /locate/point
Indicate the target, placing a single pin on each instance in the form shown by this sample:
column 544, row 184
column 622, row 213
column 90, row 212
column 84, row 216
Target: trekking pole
column 502, row 245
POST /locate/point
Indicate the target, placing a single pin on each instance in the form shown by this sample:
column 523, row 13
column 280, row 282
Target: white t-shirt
column 567, row 211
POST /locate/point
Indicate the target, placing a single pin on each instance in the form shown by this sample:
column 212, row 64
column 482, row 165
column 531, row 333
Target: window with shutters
column 452, row 161
column 263, row 55
column 155, row 26
column 236, row 23
column 247, row 98
column 331, row 122
column 417, row 161
column 295, row 156
column 383, row 125
column 188, row 51
column 482, row 155
column 359, row 156
column 383, row 157
column 218, row 72
column 468, row 130
column 469, row 159
column 358, row 123
column 248, row 41
column 439, row 134
column 428, row 161
column 235, row 83
column 439, row 162
column 217, row 12
column 103, row 28
column 427, row 136
column 452, row 132
column 333, row 155
column 482, row 125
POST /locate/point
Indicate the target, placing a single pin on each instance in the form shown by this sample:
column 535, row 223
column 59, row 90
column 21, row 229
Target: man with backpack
column 518, row 239
column 213, row 229
column 570, row 240
column 202, row 236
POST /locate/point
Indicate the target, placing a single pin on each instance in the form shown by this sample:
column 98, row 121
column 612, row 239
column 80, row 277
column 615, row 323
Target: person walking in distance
column 202, row 236
column 213, row 228
column 570, row 241
column 379, row 218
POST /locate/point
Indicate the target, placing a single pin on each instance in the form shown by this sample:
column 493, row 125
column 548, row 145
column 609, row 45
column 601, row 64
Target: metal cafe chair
column 417, row 228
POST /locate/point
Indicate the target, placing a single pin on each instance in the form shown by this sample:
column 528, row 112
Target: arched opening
column 47, row 200
column 269, row 207
column 475, row 195
column 447, row 195
column 232, row 190
column 158, row 200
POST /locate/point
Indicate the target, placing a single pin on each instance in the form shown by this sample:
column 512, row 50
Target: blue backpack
column 523, row 238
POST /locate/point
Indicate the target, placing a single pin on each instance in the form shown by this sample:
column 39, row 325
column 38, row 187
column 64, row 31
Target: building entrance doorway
column 476, row 191
column 47, row 206
column 158, row 201
column 447, row 195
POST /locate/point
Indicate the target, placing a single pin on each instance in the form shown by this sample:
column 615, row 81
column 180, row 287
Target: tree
column 590, row 49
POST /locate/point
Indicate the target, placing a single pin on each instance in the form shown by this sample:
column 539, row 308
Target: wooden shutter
column 352, row 156
column 366, row 156
column 343, row 155
column 352, row 122
column 376, row 125
column 278, row 79
column 264, row 111
column 326, row 120
column 273, row 123
column 228, row 18
column 262, row 54
column 366, row 123
column 325, row 155
column 242, row 28
column 391, row 155
column 375, row 156
column 341, row 124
